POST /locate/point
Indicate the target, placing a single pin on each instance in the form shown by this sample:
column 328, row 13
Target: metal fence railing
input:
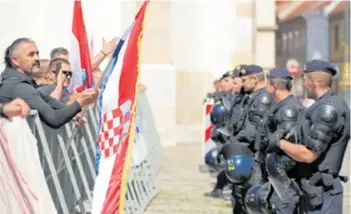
column 69, row 169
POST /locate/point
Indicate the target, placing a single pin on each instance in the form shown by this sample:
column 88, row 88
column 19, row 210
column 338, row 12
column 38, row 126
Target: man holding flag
column 117, row 114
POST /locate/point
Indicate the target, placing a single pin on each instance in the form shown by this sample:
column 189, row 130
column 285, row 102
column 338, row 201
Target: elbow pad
column 323, row 123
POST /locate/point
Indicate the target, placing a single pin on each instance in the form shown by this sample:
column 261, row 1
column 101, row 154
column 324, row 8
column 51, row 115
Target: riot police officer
column 258, row 105
column 323, row 135
column 221, row 118
column 226, row 87
column 260, row 102
column 280, row 120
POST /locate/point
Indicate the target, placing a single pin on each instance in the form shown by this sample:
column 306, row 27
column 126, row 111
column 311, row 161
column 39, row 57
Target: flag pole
column 99, row 83
column 96, row 87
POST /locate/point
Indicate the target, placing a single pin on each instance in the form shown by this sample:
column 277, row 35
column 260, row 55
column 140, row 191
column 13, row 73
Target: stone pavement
column 182, row 185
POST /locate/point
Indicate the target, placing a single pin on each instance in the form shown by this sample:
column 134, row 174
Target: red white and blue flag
column 79, row 56
column 117, row 126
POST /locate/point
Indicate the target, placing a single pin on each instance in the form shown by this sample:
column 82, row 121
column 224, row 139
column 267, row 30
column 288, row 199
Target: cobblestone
column 182, row 186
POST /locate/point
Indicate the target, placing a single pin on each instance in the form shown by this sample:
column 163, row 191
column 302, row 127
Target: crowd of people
column 29, row 82
column 278, row 152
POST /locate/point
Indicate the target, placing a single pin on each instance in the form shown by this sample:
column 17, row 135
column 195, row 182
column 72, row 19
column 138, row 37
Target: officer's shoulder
column 328, row 111
column 265, row 98
column 289, row 111
column 336, row 102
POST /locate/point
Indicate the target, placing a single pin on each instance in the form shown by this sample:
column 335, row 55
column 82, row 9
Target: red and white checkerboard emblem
column 111, row 131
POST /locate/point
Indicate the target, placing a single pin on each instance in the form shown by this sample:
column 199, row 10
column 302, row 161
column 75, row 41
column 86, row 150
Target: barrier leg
column 71, row 174
column 51, row 166
column 79, row 164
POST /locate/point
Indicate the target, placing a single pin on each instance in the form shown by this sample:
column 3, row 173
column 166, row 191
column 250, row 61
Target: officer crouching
column 323, row 137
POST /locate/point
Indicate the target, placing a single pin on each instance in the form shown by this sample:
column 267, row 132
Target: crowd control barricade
column 207, row 143
column 142, row 186
column 66, row 175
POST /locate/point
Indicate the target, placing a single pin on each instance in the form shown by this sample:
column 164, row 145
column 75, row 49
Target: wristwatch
column 2, row 113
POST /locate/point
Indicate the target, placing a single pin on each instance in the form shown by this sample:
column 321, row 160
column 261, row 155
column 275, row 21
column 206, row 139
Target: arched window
column 297, row 39
column 291, row 41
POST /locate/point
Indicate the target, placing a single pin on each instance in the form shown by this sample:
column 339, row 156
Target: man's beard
column 34, row 74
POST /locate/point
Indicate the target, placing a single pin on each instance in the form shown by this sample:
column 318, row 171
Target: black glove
column 220, row 152
column 274, row 140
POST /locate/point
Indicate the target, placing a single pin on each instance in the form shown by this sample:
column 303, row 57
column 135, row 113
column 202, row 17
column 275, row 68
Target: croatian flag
column 79, row 55
column 117, row 125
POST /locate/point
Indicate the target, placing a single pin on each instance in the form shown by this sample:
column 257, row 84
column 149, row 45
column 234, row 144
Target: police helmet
column 239, row 162
column 211, row 159
column 256, row 199
column 214, row 136
column 219, row 114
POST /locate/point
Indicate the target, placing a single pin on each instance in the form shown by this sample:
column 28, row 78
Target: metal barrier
column 69, row 169
column 207, row 143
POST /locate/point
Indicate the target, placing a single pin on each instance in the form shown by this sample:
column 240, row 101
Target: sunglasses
column 67, row 73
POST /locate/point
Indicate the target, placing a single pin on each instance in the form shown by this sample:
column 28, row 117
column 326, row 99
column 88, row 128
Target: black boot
column 216, row 193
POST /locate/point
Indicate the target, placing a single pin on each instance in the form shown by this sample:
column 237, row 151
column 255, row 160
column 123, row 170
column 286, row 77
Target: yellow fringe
column 132, row 127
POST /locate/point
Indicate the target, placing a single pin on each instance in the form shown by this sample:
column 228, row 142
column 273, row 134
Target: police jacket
column 258, row 106
column 325, row 130
column 284, row 116
column 15, row 84
column 238, row 112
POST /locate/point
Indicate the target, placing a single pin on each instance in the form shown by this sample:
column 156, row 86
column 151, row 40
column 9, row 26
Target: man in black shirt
column 22, row 63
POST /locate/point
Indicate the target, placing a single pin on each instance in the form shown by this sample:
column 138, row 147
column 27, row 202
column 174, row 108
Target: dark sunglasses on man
column 67, row 73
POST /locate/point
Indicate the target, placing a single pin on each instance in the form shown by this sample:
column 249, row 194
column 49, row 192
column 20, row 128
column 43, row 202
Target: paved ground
column 182, row 185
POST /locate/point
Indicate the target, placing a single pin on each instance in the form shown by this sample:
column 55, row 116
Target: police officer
column 260, row 102
column 231, row 107
column 22, row 64
column 240, row 102
column 219, row 116
column 284, row 117
column 225, row 87
column 258, row 105
column 279, row 121
column 323, row 135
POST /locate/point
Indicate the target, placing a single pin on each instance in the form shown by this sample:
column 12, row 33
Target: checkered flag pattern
column 111, row 131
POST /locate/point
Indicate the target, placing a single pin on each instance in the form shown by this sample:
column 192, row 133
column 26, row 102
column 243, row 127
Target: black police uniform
column 220, row 117
column 282, row 119
column 239, row 105
column 325, row 130
column 256, row 107
column 15, row 84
